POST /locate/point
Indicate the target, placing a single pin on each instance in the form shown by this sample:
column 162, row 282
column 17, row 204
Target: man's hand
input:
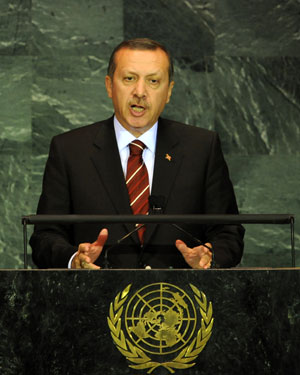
column 88, row 253
column 197, row 257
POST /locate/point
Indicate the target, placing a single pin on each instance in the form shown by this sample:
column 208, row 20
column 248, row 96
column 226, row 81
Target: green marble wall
column 237, row 71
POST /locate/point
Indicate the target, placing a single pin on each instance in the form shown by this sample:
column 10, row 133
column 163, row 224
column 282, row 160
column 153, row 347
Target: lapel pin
column 168, row 157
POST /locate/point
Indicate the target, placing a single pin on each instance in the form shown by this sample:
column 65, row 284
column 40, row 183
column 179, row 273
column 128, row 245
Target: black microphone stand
column 156, row 204
column 106, row 262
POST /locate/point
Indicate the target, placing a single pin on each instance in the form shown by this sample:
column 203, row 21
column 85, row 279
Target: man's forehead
column 127, row 57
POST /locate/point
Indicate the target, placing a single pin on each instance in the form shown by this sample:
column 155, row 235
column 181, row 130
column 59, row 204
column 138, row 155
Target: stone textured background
column 237, row 71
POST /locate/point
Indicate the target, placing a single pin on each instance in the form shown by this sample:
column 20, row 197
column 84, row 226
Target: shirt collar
column 124, row 137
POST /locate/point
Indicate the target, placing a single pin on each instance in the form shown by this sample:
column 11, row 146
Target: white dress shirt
column 124, row 138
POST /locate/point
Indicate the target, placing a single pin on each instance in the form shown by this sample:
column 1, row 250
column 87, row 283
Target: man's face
column 140, row 88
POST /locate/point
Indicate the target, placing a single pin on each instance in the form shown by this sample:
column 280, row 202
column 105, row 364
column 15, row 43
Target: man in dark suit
column 86, row 174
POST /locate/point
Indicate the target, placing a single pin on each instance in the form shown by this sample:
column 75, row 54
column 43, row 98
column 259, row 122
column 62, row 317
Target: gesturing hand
column 88, row 253
column 198, row 257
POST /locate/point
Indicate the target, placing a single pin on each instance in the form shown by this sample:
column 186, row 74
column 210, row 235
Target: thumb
column 181, row 246
column 97, row 246
column 102, row 238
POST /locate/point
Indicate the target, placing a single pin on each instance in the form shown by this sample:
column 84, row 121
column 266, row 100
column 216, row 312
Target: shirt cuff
column 71, row 259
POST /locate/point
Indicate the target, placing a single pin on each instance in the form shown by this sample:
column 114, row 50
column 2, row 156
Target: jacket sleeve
column 227, row 240
column 52, row 245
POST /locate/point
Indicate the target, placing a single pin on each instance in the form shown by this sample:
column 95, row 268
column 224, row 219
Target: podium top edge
column 160, row 219
column 234, row 269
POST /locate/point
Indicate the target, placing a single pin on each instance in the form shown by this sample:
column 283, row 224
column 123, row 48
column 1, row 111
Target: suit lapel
column 106, row 158
column 168, row 159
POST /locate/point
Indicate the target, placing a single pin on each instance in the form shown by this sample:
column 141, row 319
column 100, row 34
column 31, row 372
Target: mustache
column 140, row 103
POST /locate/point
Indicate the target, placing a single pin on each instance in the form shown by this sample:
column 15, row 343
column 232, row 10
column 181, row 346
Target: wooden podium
column 117, row 322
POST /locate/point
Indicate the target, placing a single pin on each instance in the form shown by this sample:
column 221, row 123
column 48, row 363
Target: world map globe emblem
column 160, row 318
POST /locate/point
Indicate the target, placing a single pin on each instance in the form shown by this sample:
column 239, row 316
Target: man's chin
column 139, row 126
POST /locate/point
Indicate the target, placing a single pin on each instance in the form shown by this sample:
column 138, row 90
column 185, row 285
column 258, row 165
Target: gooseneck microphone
column 156, row 204
column 106, row 262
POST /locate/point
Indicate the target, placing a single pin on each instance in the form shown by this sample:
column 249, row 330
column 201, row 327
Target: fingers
column 191, row 258
column 208, row 245
column 198, row 257
column 205, row 261
column 82, row 261
column 88, row 253
column 76, row 262
column 89, row 266
column 187, row 251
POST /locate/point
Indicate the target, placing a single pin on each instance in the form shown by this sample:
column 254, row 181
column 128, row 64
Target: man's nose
column 140, row 88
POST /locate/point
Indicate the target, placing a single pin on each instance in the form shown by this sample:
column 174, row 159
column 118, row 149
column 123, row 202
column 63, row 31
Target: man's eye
column 128, row 79
column 153, row 81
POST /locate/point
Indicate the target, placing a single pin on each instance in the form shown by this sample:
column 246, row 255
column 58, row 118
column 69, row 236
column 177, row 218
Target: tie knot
column 136, row 147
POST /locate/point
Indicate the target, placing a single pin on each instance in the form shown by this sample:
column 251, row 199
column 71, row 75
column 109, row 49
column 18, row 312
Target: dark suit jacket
column 83, row 175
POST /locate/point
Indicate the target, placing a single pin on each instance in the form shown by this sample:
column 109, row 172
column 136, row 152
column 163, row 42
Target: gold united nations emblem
column 160, row 325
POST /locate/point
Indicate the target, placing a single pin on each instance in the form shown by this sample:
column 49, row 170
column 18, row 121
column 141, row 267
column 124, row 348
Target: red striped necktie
column 137, row 182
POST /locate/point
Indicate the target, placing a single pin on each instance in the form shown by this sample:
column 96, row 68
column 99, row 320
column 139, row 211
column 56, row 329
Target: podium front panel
column 150, row 322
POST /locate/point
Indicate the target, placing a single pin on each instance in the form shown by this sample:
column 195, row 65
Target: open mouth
column 137, row 108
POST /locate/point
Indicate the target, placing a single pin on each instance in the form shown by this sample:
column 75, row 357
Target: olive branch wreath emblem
column 138, row 357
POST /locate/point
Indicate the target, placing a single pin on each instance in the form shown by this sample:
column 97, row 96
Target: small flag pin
column 168, row 157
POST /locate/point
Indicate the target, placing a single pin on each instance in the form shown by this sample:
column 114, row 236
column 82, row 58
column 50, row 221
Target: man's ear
column 171, row 85
column 108, row 85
